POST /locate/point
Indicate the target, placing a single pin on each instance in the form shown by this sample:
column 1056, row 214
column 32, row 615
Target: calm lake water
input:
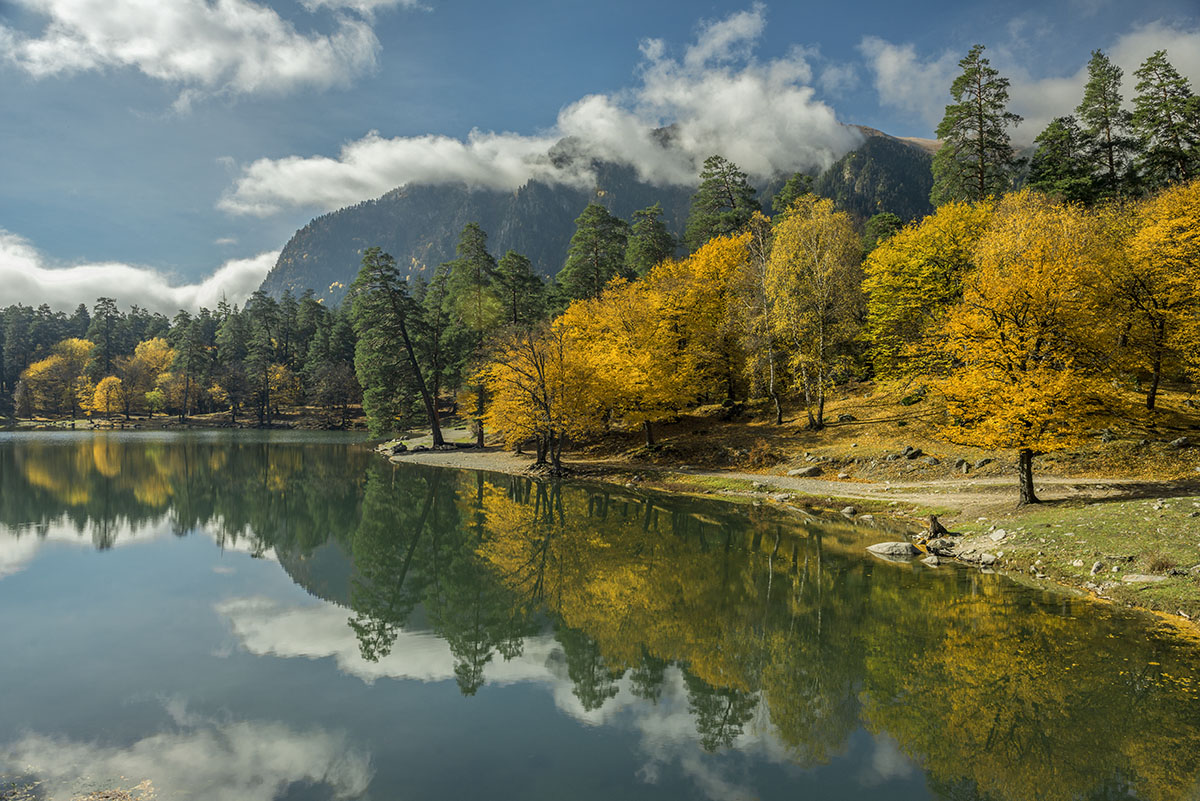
column 244, row 617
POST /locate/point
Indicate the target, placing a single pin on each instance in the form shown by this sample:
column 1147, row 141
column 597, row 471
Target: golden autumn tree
column 541, row 387
column 912, row 278
column 54, row 382
column 1023, row 374
column 695, row 299
column 657, row 344
column 150, row 359
column 108, row 398
column 1165, row 257
column 632, row 350
column 814, row 284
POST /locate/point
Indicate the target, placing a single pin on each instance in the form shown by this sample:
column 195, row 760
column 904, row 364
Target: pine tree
column 596, row 253
column 1060, row 166
column 521, row 289
column 1105, row 125
column 385, row 358
column 102, row 331
column 879, row 229
column 795, row 188
column 723, row 205
column 976, row 158
column 1167, row 120
column 649, row 242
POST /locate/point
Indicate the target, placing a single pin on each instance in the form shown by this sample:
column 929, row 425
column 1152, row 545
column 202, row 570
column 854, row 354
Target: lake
column 241, row 616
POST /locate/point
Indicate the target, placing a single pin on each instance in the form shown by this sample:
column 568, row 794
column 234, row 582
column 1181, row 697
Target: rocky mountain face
column 419, row 225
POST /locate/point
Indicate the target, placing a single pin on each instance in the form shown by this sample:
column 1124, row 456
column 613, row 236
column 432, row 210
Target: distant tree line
column 252, row 361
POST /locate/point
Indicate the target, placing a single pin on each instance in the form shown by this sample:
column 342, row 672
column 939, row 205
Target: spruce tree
column 1105, row 125
column 723, row 205
column 1166, row 118
column 649, row 242
column 976, row 158
column 596, row 253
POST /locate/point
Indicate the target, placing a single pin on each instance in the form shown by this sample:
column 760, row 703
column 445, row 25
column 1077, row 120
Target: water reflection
column 199, row 758
column 698, row 623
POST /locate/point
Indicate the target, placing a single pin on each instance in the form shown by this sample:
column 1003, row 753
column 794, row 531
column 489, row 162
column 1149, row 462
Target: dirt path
column 966, row 497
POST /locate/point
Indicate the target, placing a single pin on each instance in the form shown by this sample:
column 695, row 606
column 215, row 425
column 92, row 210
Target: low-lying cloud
column 920, row 83
column 26, row 278
column 715, row 97
column 231, row 47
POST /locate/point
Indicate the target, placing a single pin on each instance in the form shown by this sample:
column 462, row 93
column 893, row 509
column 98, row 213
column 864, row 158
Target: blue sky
column 164, row 150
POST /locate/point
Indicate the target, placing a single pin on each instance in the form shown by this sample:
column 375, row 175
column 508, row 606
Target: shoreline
column 1007, row 540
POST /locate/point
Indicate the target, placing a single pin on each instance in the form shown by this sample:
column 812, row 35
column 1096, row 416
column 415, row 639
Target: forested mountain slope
column 419, row 225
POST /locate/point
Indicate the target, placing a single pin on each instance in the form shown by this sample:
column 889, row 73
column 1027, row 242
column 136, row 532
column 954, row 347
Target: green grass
column 1150, row 536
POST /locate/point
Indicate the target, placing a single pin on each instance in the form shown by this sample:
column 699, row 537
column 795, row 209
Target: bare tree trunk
column 774, row 394
column 1025, row 474
column 479, row 416
column 649, row 434
column 1152, row 395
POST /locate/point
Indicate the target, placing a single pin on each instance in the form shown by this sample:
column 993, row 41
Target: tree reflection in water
column 779, row 627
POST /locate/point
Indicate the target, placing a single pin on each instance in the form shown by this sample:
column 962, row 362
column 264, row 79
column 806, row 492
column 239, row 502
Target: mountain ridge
column 419, row 224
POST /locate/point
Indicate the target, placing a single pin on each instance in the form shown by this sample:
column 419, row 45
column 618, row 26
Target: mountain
column 419, row 225
column 885, row 173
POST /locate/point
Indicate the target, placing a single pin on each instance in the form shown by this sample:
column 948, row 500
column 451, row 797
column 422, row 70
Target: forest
column 1033, row 292
column 1023, row 308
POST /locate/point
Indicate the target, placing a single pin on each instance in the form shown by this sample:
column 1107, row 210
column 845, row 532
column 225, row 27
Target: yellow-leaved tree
column 541, row 387
column 657, row 344
column 1023, row 370
column 814, row 289
column 108, row 398
column 626, row 337
column 1165, row 253
column 150, row 359
column 912, row 279
column 54, row 382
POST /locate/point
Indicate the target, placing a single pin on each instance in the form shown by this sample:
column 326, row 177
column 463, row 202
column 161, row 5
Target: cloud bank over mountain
column 714, row 97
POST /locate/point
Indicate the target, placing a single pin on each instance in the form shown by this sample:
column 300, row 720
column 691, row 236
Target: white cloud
column 26, row 278
column 366, row 8
column 234, row 47
column 920, row 84
column 240, row 761
column 715, row 97
column 906, row 81
column 267, row 627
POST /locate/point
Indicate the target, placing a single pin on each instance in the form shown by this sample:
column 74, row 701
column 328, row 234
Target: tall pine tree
column 1105, row 125
column 723, row 205
column 976, row 158
column 649, row 242
column 1166, row 117
column 596, row 253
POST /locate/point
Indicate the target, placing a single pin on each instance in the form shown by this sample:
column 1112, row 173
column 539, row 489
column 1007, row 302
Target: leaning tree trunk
column 1025, row 473
column 649, row 434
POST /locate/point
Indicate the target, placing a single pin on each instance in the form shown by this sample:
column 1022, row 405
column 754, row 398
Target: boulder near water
column 893, row 549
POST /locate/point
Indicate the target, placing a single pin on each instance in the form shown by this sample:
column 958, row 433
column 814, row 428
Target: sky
column 163, row 151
